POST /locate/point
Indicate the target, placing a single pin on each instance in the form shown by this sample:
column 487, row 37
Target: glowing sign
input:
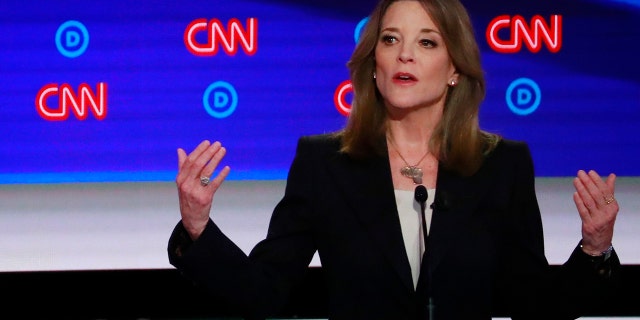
column 533, row 35
column 235, row 36
column 68, row 99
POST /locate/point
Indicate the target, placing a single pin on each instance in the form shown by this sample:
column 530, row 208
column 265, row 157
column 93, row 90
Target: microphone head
column 421, row 194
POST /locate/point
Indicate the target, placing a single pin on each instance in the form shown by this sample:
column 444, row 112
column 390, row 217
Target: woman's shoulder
column 331, row 141
column 512, row 145
column 510, row 148
column 318, row 147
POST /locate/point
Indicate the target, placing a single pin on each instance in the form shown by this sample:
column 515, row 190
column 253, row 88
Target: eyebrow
column 423, row 30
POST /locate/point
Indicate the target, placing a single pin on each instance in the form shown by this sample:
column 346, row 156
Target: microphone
column 421, row 195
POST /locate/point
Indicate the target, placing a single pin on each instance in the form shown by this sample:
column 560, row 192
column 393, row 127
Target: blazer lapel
column 372, row 199
column 456, row 199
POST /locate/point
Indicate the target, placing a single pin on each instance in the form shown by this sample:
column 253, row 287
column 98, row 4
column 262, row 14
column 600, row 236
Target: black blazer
column 485, row 245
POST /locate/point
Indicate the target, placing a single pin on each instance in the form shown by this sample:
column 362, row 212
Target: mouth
column 404, row 77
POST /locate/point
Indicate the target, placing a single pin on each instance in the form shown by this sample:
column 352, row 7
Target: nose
column 406, row 54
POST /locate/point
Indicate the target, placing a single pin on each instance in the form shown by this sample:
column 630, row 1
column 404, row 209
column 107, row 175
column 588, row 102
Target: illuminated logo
column 220, row 99
column 340, row 97
column 72, row 39
column 523, row 96
column 79, row 103
column 216, row 36
column 534, row 35
column 358, row 31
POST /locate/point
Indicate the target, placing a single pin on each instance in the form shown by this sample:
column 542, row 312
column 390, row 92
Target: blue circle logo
column 359, row 27
column 72, row 39
column 523, row 96
column 220, row 99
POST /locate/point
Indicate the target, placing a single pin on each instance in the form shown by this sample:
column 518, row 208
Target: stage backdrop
column 96, row 96
column 106, row 91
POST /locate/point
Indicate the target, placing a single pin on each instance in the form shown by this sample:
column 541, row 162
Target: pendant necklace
column 413, row 172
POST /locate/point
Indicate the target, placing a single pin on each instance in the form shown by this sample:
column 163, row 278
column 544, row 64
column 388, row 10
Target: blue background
column 587, row 119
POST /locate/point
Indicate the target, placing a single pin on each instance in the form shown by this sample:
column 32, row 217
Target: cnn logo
column 534, row 34
column 69, row 101
column 230, row 39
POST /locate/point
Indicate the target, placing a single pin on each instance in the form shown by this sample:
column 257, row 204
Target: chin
column 403, row 104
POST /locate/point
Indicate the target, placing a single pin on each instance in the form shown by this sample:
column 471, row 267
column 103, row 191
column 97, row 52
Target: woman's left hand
column 598, row 208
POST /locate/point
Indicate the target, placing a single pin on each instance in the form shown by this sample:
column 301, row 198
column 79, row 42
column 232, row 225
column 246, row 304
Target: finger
column 210, row 157
column 190, row 162
column 217, row 181
column 199, row 158
column 218, row 154
column 594, row 185
column 582, row 185
column 186, row 162
column 182, row 156
column 199, row 150
column 597, row 180
column 606, row 192
column 611, row 182
column 610, row 199
column 583, row 211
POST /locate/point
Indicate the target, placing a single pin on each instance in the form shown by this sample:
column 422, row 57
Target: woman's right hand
column 196, row 197
column 598, row 209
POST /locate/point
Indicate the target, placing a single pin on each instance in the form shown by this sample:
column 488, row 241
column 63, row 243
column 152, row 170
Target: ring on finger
column 609, row 199
column 204, row 181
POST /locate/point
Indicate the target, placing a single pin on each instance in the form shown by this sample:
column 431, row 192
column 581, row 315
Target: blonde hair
column 457, row 141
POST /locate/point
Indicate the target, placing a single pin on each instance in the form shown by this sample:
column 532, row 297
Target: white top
column 411, row 224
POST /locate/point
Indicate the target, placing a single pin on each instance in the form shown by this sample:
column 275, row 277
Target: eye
column 428, row 43
column 389, row 39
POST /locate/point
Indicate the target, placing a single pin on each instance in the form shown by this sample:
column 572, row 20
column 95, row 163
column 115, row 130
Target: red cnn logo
column 340, row 97
column 533, row 35
column 67, row 99
column 229, row 39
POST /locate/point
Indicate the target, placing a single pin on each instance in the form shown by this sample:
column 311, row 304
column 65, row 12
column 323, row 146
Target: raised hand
column 598, row 208
column 196, row 186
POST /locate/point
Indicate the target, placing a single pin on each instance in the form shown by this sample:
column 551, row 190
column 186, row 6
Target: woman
column 418, row 85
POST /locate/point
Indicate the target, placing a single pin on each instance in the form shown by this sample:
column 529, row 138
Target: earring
column 374, row 75
column 453, row 82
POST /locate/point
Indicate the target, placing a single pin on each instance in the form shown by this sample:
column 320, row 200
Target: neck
column 410, row 160
column 414, row 123
column 409, row 142
column 410, row 132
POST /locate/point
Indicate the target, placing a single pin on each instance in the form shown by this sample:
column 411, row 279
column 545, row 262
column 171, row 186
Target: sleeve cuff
column 604, row 265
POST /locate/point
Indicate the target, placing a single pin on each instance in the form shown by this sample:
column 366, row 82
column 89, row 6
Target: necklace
column 413, row 172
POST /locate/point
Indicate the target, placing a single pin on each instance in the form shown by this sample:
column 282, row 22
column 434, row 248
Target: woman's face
column 413, row 68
